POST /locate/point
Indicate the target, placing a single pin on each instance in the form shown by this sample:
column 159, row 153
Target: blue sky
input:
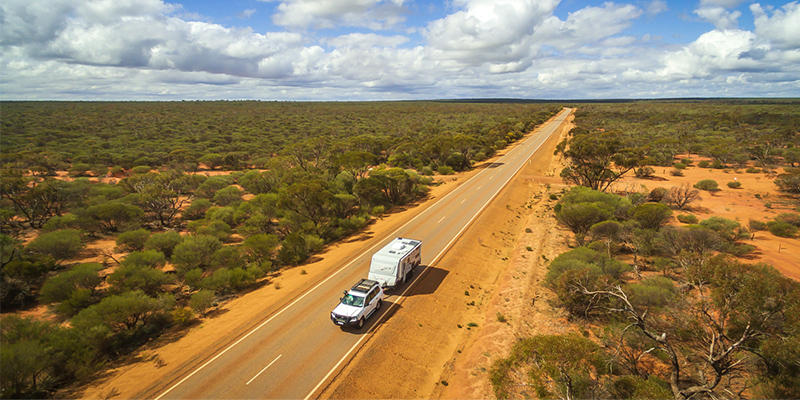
column 397, row 49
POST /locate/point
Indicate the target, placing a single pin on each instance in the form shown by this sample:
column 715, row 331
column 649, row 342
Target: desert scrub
column 782, row 229
column 687, row 219
column 734, row 184
column 708, row 185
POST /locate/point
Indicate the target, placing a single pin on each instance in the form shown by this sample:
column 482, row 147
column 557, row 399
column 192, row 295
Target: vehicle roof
column 364, row 285
column 398, row 248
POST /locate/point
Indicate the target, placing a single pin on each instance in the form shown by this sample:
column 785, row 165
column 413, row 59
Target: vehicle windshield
column 351, row 300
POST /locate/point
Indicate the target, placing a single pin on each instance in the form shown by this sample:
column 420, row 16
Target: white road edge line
column 411, row 284
column 265, row 368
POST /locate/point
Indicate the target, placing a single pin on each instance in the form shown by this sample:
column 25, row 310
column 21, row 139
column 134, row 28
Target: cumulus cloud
column 586, row 26
column 320, row 14
column 719, row 16
column 496, row 32
column 782, row 29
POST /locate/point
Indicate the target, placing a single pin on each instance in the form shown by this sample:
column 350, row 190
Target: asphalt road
column 293, row 352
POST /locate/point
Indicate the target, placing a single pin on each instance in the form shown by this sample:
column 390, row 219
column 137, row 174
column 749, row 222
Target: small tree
column 133, row 240
column 708, row 185
column 682, row 196
column 201, row 301
column 651, row 216
column 60, row 245
column 74, row 289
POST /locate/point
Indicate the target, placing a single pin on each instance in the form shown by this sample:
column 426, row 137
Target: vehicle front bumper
column 343, row 320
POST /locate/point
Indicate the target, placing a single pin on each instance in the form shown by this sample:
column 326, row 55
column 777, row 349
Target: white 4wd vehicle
column 358, row 304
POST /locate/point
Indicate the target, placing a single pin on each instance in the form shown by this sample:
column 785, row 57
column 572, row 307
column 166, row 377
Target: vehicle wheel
column 378, row 306
column 360, row 323
column 409, row 274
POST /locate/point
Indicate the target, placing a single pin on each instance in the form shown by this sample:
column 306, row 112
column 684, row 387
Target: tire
column 378, row 306
column 360, row 323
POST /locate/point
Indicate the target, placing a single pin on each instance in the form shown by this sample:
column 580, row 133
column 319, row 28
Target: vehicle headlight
column 353, row 319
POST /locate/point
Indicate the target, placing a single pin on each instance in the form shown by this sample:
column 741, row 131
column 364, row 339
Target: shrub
column 717, row 164
column 675, row 172
column 687, row 218
column 790, row 218
column 445, row 170
column 752, row 170
column 782, row 229
column 133, row 240
column 197, row 209
column 378, row 210
column 645, row 172
column 164, row 242
column 680, row 165
column 182, row 316
column 651, row 215
column 734, row 184
column 709, row 185
column 73, row 288
column 703, row 164
column 60, row 245
column 658, row 194
column 427, row 171
column 687, row 161
column 756, row 225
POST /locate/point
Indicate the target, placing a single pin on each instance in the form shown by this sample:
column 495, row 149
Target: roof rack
column 364, row 285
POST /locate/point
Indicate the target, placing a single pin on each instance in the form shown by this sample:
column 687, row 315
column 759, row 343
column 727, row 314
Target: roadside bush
column 139, row 275
column 782, row 229
column 445, row 170
column 687, row 218
column 132, row 240
column 734, row 184
column 201, row 301
column 427, row 171
column 293, row 250
column 709, row 185
column 195, row 252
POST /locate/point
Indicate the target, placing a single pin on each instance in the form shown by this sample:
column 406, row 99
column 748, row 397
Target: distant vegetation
column 253, row 186
column 673, row 313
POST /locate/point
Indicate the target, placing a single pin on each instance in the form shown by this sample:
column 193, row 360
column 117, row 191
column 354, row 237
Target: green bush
column 644, row 172
column 709, row 185
column 73, row 289
column 427, row 171
column 675, row 172
column 734, row 184
column 687, row 218
column 679, row 165
column 60, row 245
column 717, row 164
column 756, row 225
column 789, row 218
column 782, row 229
column 163, row 242
column 703, row 164
column 133, row 240
column 687, row 161
column 651, row 215
column 752, row 170
column 445, row 170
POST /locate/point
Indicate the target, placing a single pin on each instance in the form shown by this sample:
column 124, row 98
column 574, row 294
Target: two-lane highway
column 294, row 351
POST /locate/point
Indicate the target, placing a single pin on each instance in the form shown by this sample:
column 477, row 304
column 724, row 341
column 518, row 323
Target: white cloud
column 319, row 14
column 365, row 40
column 719, row 16
column 656, row 7
column 586, row 26
column 494, row 32
column 246, row 13
column 782, row 29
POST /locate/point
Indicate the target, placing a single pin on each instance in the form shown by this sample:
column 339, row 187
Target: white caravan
column 393, row 264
